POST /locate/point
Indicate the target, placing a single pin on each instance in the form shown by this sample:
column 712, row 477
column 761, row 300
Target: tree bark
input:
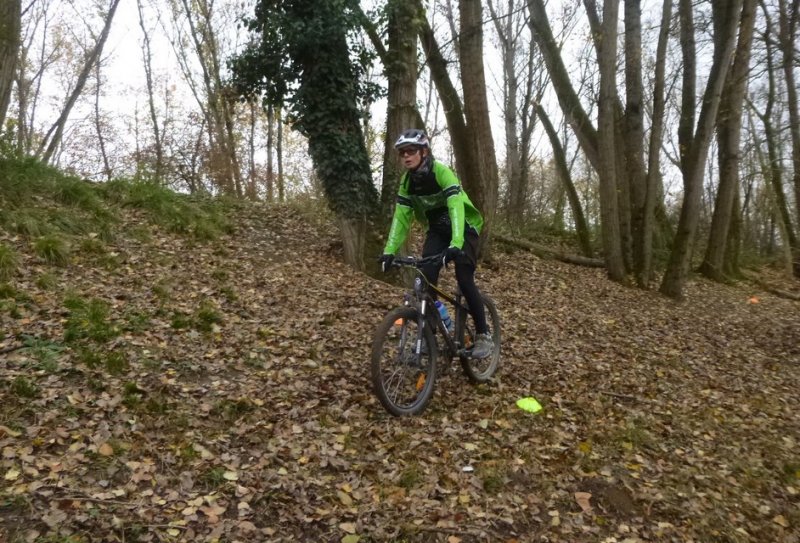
column 729, row 125
column 726, row 17
column 10, row 27
column 788, row 17
column 609, row 205
column 547, row 252
column 653, row 181
column 633, row 137
column 270, row 169
column 476, row 112
column 772, row 168
column 400, row 68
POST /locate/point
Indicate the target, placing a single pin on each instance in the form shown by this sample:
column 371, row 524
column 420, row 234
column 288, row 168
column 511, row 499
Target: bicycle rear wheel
column 480, row 370
column 403, row 378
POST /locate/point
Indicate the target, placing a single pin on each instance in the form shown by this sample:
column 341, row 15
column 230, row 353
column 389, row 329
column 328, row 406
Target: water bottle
column 448, row 322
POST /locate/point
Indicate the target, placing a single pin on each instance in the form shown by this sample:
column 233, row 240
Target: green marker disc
column 529, row 404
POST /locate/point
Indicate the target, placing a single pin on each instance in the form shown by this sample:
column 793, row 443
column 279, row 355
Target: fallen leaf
column 344, row 498
column 11, row 475
column 105, row 450
column 583, row 500
column 352, row 538
column 348, row 527
column 230, row 476
column 781, row 520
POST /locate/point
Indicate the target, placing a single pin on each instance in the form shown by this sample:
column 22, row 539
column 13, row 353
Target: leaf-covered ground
column 172, row 390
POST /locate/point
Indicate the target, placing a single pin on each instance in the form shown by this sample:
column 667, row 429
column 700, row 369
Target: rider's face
column 411, row 157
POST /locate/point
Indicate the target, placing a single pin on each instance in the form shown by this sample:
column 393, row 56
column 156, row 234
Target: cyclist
column 431, row 192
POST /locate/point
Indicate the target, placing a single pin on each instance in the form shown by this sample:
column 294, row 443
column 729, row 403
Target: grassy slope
column 192, row 372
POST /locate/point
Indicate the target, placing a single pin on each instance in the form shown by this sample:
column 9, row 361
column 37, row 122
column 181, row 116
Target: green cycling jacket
column 437, row 200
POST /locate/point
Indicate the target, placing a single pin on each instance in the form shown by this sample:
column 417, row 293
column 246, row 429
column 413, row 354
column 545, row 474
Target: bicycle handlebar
column 416, row 262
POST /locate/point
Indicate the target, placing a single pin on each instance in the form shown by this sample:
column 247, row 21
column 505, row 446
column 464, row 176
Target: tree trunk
column 609, row 205
column 653, row 189
column 726, row 17
column 772, row 168
column 560, row 158
column 466, row 162
column 507, row 36
column 10, row 14
column 729, row 125
column 570, row 103
column 789, row 15
column 98, row 123
column 401, row 72
column 279, row 157
column 476, row 112
column 270, row 169
column 633, row 137
column 147, row 60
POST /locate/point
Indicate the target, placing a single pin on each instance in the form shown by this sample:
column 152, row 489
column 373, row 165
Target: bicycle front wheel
column 480, row 370
column 403, row 363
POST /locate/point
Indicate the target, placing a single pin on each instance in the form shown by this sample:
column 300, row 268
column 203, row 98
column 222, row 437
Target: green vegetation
column 207, row 316
column 213, row 478
column 23, row 388
column 88, row 319
column 53, row 249
column 9, row 260
column 199, row 217
column 41, row 202
column 411, row 476
column 45, row 353
column 46, row 281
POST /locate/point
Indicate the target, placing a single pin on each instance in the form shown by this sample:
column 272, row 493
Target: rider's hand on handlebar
column 452, row 253
column 386, row 262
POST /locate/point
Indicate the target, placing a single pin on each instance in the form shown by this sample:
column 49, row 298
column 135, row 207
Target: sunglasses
column 408, row 151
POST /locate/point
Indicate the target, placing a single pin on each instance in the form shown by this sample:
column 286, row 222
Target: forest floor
column 176, row 390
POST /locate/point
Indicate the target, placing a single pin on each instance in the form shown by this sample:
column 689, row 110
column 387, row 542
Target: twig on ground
column 6, row 350
column 620, row 396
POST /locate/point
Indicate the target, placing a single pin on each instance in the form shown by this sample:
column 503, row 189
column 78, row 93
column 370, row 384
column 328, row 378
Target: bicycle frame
column 423, row 300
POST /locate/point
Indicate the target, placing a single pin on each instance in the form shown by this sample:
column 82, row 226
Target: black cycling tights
column 465, row 275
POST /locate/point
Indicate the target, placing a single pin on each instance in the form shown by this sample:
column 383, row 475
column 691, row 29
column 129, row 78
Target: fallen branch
column 620, row 396
column 546, row 252
column 6, row 350
column 772, row 290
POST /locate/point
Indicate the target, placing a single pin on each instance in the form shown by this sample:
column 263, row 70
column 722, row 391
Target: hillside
column 206, row 379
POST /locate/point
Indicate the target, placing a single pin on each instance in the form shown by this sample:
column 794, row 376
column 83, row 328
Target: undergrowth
column 43, row 203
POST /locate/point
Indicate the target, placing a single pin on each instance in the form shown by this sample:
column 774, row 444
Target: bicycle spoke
column 401, row 376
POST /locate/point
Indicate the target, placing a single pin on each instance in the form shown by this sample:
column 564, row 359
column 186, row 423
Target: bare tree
column 772, row 169
column 52, row 139
column 789, row 18
column 694, row 147
column 98, row 123
column 212, row 96
column 729, row 126
column 653, row 179
column 517, row 110
column 476, row 112
column 147, row 63
column 400, row 68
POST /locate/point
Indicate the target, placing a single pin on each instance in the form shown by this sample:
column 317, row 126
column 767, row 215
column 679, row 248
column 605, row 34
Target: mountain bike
column 405, row 350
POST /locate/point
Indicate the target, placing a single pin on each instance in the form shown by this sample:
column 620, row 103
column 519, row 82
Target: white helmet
column 412, row 136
